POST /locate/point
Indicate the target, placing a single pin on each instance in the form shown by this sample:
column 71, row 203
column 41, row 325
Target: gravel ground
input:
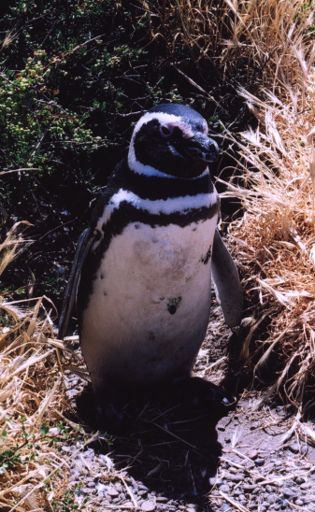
column 186, row 452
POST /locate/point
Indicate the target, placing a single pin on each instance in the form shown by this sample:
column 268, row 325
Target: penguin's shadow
column 168, row 440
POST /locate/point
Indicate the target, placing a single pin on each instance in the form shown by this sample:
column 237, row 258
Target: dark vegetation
column 74, row 77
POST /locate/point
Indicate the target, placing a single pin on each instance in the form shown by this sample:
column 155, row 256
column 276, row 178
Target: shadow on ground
column 169, row 442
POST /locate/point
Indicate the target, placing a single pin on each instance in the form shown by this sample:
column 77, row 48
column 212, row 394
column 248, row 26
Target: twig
column 71, row 221
column 198, row 87
column 3, row 173
column 293, row 427
column 238, row 506
column 129, row 491
column 118, row 507
column 173, row 435
column 129, row 114
column 88, row 41
column 164, row 413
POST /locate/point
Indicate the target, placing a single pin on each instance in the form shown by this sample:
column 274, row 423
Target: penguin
column 141, row 276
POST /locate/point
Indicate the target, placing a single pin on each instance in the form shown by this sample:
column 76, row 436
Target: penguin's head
column 171, row 139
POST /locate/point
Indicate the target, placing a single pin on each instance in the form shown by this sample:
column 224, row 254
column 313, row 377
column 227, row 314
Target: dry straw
column 33, row 473
column 275, row 242
column 275, row 239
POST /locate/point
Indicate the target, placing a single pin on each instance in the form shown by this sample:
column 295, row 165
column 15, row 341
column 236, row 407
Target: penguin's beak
column 201, row 147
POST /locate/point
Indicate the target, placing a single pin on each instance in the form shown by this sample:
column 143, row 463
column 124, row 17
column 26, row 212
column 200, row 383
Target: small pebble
column 236, row 478
column 142, row 486
column 248, row 487
column 148, row 506
column 270, row 499
column 54, row 431
column 112, row 491
column 260, row 461
column 253, row 454
column 294, row 448
column 282, row 502
column 101, row 488
column 258, row 478
column 289, row 493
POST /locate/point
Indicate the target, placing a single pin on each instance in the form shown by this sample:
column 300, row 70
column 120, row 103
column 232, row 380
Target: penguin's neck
column 161, row 186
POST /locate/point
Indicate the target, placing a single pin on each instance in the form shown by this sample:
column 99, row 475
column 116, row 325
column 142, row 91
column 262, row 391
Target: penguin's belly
column 148, row 310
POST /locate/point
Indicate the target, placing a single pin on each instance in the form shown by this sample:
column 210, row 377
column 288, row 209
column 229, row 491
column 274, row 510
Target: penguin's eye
column 166, row 131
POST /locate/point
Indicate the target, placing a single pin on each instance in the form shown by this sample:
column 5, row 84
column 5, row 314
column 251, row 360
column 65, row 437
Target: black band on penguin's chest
column 128, row 213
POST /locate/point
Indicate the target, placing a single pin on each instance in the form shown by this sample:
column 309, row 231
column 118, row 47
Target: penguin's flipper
column 70, row 298
column 227, row 282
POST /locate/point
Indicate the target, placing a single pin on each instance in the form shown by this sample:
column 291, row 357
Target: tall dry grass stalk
column 33, row 470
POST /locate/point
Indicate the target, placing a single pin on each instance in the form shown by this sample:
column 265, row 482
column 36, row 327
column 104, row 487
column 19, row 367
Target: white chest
column 150, row 262
column 148, row 311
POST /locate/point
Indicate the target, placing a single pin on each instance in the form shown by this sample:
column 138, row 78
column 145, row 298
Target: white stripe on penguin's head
column 164, row 119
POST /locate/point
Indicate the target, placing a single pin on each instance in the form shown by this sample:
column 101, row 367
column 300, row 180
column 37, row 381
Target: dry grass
column 33, row 472
column 277, row 232
column 269, row 37
column 276, row 239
